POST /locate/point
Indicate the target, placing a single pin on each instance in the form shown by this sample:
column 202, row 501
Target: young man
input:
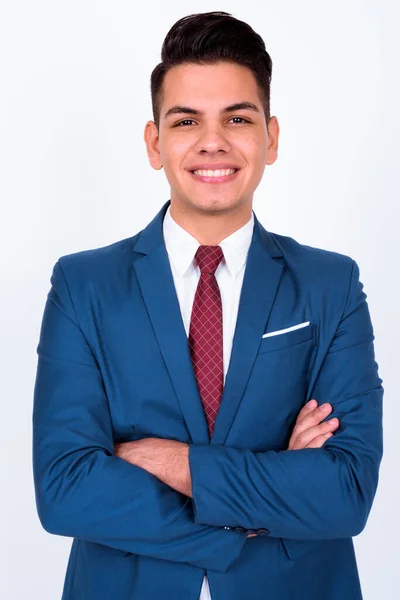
column 174, row 439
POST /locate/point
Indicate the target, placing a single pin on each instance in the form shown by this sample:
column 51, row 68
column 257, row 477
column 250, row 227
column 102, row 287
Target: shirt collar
column 182, row 246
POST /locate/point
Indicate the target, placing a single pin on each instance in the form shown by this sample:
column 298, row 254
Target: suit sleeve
column 82, row 489
column 311, row 493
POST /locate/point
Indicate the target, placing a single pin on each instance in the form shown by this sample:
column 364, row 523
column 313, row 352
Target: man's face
column 211, row 138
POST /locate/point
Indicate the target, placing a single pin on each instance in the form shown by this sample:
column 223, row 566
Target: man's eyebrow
column 192, row 111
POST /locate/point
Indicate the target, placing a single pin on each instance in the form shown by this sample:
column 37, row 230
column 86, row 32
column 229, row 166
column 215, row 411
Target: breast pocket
column 288, row 338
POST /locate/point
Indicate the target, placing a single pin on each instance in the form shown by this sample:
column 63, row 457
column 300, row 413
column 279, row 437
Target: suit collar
column 182, row 246
column 152, row 236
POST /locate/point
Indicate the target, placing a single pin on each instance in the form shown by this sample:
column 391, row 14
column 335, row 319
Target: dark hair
column 209, row 38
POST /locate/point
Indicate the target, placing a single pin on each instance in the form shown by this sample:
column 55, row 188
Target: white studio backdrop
column 74, row 99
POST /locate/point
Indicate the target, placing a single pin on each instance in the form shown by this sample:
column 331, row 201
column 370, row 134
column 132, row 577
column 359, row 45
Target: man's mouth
column 215, row 176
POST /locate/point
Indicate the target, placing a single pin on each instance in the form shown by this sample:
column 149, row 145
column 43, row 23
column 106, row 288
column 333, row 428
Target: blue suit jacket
column 114, row 366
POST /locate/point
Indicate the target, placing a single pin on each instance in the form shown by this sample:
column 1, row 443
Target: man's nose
column 213, row 139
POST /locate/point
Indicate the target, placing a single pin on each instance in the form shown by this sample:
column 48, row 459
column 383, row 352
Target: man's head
column 211, row 107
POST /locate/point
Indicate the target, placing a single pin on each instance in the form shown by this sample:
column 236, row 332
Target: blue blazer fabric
column 114, row 366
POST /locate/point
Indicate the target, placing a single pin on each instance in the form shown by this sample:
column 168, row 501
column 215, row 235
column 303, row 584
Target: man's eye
column 191, row 121
column 241, row 119
column 185, row 121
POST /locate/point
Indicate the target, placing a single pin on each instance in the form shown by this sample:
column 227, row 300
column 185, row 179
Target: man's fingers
column 303, row 438
column 307, row 410
column 319, row 441
column 311, row 417
column 311, row 430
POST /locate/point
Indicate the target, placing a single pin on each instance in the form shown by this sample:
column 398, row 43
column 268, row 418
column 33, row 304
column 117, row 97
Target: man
column 174, row 439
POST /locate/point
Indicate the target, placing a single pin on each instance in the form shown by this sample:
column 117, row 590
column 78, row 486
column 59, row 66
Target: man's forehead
column 198, row 77
column 184, row 87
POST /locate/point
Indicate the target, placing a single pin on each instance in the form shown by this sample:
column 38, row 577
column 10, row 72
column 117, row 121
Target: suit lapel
column 156, row 283
column 260, row 283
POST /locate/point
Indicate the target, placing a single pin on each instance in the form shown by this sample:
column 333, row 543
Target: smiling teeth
column 217, row 173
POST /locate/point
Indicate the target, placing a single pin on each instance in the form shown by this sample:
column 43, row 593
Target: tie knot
column 208, row 258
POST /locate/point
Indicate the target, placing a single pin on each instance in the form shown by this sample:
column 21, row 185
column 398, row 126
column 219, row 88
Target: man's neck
column 209, row 229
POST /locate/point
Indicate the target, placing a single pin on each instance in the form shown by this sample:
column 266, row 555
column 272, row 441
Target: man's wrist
column 168, row 460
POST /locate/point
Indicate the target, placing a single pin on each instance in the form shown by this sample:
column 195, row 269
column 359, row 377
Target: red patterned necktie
column 205, row 333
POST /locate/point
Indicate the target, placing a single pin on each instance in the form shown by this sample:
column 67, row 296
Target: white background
column 74, row 99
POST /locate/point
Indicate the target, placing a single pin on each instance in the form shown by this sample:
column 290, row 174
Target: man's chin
column 212, row 205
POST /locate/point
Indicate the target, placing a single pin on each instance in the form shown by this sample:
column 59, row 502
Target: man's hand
column 308, row 431
column 168, row 460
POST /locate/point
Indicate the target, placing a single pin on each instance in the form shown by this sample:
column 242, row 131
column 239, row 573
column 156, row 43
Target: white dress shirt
column 181, row 247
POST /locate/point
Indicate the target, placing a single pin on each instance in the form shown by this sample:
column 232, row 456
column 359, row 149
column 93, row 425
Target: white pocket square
column 279, row 331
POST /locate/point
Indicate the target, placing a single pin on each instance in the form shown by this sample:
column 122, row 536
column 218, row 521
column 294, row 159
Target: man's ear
column 273, row 137
column 151, row 138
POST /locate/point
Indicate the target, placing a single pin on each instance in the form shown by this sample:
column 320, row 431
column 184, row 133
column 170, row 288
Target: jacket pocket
column 288, row 339
column 295, row 549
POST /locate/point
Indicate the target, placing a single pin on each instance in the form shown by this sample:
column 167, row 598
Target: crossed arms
column 168, row 460
column 84, row 490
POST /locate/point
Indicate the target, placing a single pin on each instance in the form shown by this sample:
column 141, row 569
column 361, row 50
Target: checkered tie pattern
column 205, row 333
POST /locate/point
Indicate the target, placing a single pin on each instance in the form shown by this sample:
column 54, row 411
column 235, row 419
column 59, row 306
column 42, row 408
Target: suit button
column 252, row 531
column 262, row 531
column 242, row 529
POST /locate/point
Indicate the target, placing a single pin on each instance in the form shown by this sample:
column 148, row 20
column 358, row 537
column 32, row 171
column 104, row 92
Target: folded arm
column 313, row 493
column 82, row 489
